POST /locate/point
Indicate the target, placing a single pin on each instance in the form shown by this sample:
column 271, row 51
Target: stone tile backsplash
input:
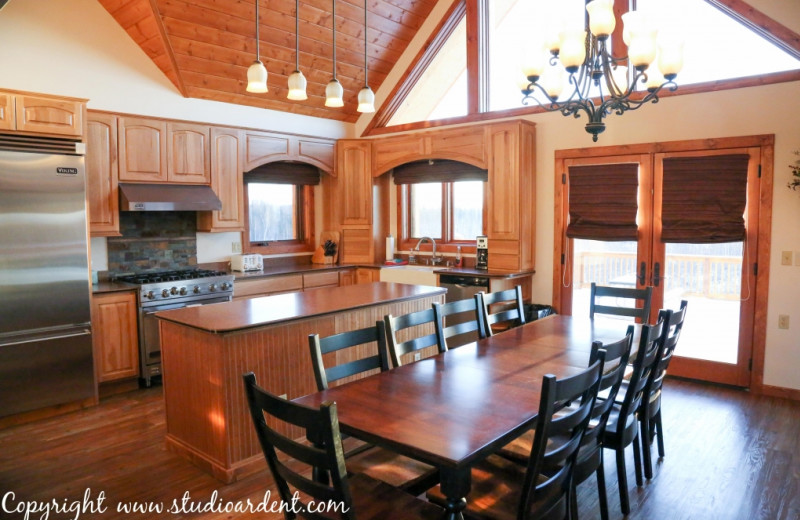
column 154, row 241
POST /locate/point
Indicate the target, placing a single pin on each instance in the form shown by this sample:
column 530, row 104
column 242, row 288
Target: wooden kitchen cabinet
column 42, row 114
column 355, row 181
column 188, row 158
column 102, row 174
column 465, row 144
column 266, row 147
column 114, row 336
column 347, row 277
column 226, row 181
column 319, row 280
column 142, row 150
column 266, row 286
column 367, row 275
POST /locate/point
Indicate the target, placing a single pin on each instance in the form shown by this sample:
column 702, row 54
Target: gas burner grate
column 170, row 276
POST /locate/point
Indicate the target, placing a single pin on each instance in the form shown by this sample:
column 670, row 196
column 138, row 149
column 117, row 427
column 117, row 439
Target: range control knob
column 212, row 287
column 174, row 290
column 225, row 286
column 196, row 289
column 164, row 293
column 183, row 291
column 150, row 295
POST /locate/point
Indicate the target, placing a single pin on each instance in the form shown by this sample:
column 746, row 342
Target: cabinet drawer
column 265, row 286
column 329, row 278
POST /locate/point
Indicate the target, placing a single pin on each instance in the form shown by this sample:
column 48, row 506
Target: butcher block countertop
column 237, row 315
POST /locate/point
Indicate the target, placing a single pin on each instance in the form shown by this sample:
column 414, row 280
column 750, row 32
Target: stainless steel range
column 161, row 291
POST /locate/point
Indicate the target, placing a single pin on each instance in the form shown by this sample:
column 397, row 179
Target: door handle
column 642, row 271
column 656, row 274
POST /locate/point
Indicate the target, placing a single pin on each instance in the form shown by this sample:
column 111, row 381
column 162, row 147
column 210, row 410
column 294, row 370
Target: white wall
column 773, row 109
column 76, row 48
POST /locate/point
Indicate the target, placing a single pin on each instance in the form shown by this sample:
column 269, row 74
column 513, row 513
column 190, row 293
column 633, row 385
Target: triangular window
column 720, row 44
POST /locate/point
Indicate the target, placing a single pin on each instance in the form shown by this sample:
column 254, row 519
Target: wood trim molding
column 430, row 48
column 769, row 29
column 172, row 74
column 779, row 391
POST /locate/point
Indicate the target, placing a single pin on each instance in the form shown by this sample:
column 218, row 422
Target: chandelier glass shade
column 597, row 82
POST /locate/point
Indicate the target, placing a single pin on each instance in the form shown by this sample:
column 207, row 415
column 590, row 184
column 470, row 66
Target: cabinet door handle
column 642, row 274
column 657, row 274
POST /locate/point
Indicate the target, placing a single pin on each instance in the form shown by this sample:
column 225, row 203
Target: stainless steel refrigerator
column 45, row 323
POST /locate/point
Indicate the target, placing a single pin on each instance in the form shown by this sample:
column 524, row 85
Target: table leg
column 455, row 485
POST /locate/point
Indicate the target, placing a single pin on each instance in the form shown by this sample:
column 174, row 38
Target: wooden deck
column 730, row 455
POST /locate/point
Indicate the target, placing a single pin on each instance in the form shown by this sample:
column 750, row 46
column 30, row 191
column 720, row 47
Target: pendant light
column 297, row 82
column 334, row 90
column 366, row 98
column 257, row 73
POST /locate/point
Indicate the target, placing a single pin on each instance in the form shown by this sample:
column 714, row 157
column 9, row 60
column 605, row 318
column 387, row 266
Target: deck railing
column 694, row 275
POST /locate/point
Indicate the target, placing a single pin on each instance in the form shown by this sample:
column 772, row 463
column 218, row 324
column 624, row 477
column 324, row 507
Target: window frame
column 304, row 217
column 446, row 243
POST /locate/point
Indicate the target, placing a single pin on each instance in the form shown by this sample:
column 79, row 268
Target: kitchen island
column 206, row 349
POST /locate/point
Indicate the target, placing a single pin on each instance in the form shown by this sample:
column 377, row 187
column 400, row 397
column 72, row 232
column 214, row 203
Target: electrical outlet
column 786, row 258
column 783, row 321
column 416, row 356
column 236, row 247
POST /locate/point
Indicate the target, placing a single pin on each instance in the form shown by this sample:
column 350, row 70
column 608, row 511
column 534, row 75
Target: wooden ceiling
column 204, row 47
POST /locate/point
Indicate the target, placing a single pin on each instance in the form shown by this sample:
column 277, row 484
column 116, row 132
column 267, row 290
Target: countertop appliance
column 165, row 290
column 482, row 252
column 247, row 263
column 45, row 313
column 462, row 287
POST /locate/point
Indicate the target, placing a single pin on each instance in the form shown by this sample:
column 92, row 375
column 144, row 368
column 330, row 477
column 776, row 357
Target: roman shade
column 704, row 199
column 284, row 172
column 438, row 170
column 603, row 202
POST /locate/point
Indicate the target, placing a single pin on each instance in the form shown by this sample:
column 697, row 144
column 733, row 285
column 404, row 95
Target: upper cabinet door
column 188, row 153
column 142, row 150
column 102, row 174
column 6, row 112
column 49, row 116
column 226, row 181
column 355, row 181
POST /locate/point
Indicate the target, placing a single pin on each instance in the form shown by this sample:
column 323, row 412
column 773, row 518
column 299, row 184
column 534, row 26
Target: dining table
column 453, row 409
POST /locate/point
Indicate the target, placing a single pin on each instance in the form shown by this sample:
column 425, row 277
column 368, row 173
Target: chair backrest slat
column 458, row 310
column 345, row 340
column 395, row 324
column 600, row 291
column 512, row 311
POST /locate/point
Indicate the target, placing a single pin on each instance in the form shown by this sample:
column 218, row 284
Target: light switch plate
column 786, row 258
column 236, row 247
column 783, row 321
column 797, row 258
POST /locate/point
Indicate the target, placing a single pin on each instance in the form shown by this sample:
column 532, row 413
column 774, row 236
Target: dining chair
column 382, row 464
column 395, row 324
column 333, row 488
column 511, row 313
column 458, row 322
column 650, row 414
column 600, row 291
column 622, row 426
column 590, row 457
column 541, row 488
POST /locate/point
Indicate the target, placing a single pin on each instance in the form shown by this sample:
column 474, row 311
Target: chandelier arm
column 567, row 107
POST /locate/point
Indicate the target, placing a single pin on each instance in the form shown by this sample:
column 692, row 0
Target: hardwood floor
column 729, row 455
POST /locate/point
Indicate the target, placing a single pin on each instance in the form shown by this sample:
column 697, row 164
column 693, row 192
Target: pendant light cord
column 333, row 26
column 297, row 35
column 366, row 69
column 258, row 53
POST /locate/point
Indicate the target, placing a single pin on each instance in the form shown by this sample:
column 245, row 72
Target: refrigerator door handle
column 83, row 332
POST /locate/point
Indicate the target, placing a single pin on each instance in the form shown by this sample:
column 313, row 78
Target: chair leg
column 622, row 477
column 637, row 461
column 572, row 514
column 660, row 432
column 601, row 489
column 645, row 428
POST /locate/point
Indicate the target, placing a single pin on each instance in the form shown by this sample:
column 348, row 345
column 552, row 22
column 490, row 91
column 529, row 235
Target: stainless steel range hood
column 167, row 197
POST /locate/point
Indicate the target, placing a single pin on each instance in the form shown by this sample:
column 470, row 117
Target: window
column 279, row 198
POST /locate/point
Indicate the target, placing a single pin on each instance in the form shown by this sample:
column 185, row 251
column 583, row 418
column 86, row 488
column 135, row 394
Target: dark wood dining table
column 456, row 408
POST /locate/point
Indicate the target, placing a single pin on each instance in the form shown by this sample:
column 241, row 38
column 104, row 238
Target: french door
column 717, row 279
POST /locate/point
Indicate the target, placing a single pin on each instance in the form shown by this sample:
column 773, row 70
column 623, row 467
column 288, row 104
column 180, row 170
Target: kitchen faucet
column 435, row 260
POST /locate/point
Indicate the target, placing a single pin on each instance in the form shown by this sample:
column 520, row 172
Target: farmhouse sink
column 410, row 274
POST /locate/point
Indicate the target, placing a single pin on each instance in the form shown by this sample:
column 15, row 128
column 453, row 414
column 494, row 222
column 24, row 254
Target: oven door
column 149, row 341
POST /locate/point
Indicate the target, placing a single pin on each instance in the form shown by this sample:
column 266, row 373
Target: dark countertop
column 310, row 268
column 249, row 313
column 109, row 287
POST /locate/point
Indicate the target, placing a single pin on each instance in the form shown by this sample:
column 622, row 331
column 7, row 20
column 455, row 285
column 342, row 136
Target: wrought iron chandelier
column 601, row 83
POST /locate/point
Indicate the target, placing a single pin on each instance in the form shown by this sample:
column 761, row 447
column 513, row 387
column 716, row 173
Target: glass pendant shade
column 334, row 93
column 601, row 18
column 257, row 78
column 297, row 86
column 366, row 100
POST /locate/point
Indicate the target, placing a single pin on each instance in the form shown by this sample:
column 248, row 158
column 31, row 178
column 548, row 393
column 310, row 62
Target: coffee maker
column 482, row 252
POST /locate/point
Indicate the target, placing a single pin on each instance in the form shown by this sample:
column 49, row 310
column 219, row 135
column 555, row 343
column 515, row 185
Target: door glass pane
column 467, row 210
column 426, row 210
column 709, row 276
column 605, row 263
column 272, row 211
